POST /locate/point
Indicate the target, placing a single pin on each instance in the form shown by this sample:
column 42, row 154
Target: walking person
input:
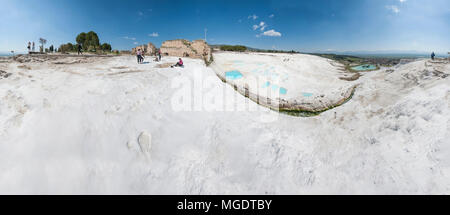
column 159, row 54
column 33, row 47
column 432, row 56
column 29, row 47
column 80, row 50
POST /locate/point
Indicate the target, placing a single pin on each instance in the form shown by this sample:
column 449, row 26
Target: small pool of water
column 307, row 94
column 275, row 87
column 233, row 75
column 364, row 67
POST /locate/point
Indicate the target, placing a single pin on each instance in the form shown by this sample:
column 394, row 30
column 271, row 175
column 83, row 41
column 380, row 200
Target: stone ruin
column 180, row 48
column 183, row 48
column 148, row 49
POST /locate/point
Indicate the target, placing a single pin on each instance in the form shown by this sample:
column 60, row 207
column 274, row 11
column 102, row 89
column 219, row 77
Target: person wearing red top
column 179, row 64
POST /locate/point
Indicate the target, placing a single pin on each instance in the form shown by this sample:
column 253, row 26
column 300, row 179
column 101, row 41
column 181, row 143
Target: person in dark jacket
column 79, row 50
column 432, row 56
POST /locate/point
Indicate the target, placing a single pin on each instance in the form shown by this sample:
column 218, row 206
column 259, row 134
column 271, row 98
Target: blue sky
column 313, row 26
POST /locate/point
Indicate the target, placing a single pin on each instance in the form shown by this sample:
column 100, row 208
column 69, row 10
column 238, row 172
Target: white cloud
column 154, row 34
column 393, row 8
column 135, row 43
column 140, row 13
column 254, row 17
column 129, row 38
column 261, row 26
column 272, row 33
column 271, row 16
column 401, row 1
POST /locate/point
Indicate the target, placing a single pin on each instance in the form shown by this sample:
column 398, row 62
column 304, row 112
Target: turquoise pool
column 307, row 94
column 364, row 67
column 233, row 75
column 282, row 90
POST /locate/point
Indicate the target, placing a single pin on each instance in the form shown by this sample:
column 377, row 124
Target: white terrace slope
column 74, row 126
column 296, row 82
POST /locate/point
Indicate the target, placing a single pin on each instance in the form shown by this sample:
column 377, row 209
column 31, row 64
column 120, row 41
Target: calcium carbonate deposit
column 294, row 82
column 106, row 125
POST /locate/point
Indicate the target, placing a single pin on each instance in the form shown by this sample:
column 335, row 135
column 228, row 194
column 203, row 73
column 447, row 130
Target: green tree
column 81, row 39
column 233, row 48
column 92, row 41
column 66, row 48
column 106, row 47
column 69, row 47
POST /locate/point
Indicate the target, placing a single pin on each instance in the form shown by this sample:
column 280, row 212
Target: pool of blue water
column 364, row 67
column 282, row 90
column 307, row 94
column 233, row 75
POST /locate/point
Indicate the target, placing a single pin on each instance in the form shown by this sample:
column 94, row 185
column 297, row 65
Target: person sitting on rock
column 179, row 64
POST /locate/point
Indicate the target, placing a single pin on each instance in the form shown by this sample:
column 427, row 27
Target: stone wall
column 148, row 49
column 151, row 49
column 183, row 48
column 179, row 48
column 203, row 49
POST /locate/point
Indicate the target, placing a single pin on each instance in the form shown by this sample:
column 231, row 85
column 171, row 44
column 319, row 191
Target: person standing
column 33, row 47
column 29, row 47
column 159, row 54
column 80, row 50
column 432, row 56
column 139, row 56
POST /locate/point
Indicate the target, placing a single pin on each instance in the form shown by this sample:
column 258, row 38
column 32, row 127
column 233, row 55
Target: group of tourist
column 30, row 47
column 140, row 58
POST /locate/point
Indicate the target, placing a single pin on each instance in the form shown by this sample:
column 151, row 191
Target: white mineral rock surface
column 74, row 126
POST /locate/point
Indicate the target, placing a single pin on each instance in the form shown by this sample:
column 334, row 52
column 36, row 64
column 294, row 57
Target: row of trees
column 233, row 48
column 278, row 51
column 88, row 41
